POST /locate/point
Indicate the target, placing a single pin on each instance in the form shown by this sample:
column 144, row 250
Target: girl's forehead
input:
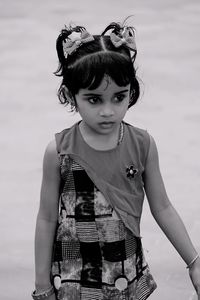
column 108, row 84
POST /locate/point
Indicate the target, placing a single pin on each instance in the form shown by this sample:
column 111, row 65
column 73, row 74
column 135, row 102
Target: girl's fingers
column 198, row 292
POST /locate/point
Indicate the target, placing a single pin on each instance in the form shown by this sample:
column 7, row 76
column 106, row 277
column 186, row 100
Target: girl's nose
column 106, row 111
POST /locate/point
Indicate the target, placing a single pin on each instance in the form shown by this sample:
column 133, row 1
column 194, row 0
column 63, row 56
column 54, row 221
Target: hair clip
column 125, row 37
column 75, row 40
column 131, row 172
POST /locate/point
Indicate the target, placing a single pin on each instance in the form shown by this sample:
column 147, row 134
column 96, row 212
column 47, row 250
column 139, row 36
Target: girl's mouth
column 106, row 124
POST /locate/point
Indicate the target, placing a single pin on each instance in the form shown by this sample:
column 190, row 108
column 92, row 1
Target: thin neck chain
column 121, row 133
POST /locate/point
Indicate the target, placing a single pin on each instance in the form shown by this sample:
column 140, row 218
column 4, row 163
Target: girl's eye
column 119, row 98
column 93, row 100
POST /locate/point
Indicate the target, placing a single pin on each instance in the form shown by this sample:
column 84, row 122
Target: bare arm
column 47, row 217
column 162, row 209
column 167, row 217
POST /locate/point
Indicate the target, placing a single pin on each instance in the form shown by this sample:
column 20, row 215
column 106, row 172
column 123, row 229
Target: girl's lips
column 106, row 124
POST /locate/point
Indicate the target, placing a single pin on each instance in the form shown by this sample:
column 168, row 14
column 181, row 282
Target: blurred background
column 168, row 62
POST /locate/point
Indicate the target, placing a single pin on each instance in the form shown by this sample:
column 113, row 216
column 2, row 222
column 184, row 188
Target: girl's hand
column 194, row 272
column 52, row 297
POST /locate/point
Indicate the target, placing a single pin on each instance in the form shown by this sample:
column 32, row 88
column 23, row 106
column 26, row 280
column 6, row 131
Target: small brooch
column 131, row 172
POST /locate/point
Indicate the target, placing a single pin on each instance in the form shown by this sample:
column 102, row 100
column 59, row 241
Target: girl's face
column 103, row 108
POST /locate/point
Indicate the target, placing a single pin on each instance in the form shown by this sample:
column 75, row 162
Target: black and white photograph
column 100, row 143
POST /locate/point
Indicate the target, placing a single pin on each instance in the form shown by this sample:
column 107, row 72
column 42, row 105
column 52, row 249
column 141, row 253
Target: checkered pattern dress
column 92, row 247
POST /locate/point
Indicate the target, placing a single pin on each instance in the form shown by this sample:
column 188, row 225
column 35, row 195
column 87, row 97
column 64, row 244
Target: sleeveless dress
column 95, row 257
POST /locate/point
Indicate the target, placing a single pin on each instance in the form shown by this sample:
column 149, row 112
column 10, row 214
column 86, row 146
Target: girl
column 88, row 243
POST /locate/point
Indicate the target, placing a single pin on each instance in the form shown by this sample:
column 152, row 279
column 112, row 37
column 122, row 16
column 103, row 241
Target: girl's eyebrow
column 91, row 94
column 123, row 91
column 96, row 94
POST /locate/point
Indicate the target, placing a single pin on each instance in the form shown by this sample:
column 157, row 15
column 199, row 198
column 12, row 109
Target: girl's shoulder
column 136, row 130
column 51, row 148
column 141, row 135
column 50, row 156
column 65, row 138
column 138, row 139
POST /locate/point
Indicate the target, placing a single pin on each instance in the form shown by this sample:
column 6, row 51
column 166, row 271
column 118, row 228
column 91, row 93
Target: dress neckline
column 120, row 139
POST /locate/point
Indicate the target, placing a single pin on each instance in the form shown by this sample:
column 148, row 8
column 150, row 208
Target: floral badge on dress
column 131, row 172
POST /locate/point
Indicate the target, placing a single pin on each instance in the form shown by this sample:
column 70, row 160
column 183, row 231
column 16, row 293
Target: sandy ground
column 169, row 66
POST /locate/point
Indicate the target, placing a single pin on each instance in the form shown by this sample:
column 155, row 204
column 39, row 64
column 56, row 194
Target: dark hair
column 87, row 66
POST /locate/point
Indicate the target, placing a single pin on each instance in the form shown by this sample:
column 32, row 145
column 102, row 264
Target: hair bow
column 75, row 40
column 126, row 37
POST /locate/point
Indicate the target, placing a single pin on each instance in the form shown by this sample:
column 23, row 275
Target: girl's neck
column 100, row 141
